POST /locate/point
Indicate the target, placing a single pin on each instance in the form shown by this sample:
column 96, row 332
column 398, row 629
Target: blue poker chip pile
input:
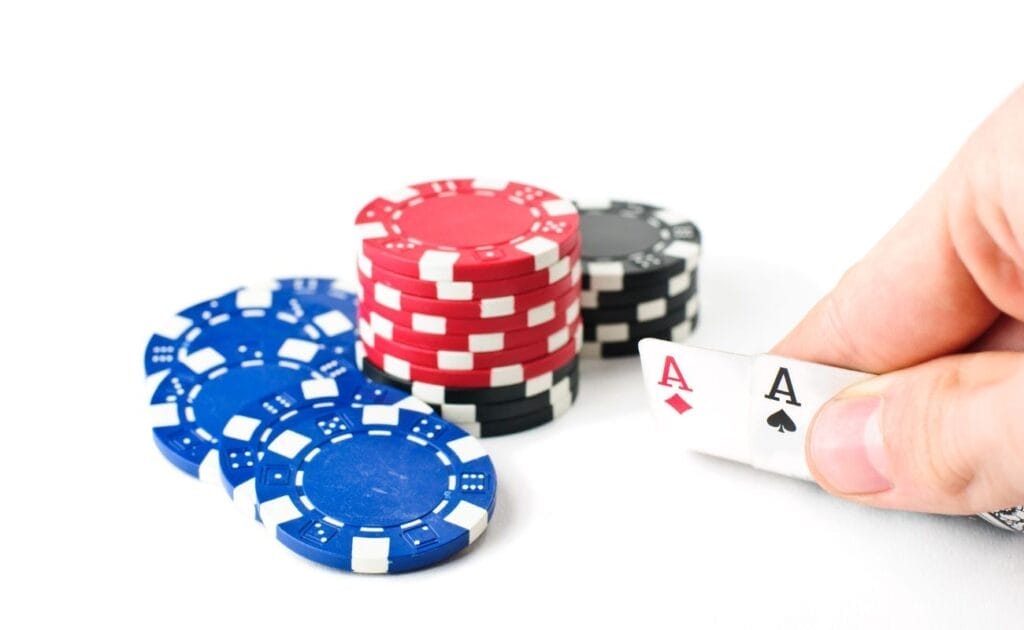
column 257, row 390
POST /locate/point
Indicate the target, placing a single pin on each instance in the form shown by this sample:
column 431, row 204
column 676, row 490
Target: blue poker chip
column 246, row 432
column 325, row 292
column 194, row 398
column 310, row 308
column 378, row 489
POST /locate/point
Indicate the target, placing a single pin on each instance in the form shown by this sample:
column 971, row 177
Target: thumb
column 946, row 436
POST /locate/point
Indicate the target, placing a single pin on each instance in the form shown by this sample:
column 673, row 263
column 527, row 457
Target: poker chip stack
column 469, row 300
column 639, row 276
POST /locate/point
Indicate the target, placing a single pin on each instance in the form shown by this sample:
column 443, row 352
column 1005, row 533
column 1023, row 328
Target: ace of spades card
column 785, row 395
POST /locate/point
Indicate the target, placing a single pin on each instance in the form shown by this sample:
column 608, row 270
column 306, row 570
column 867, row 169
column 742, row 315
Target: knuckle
column 836, row 312
column 946, row 461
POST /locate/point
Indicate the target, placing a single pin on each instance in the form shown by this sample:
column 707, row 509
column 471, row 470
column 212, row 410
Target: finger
column 946, row 436
column 942, row 275
column 1006, row 334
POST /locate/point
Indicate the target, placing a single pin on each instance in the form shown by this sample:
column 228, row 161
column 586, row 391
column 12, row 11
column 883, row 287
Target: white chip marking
column 244, row 497
column 175, row 327
column 428, row 393
column 288, row 443
column 381, row 414
column 540, row 314
column 367, row 334
column 450, row 360
column 652, row 309
column 589, row 299
column 539, row 384
column 593, row 204
column 164, row 415
column 438, row 266
column 488, row 342
column 370, row 555
column 299, row 350
column 209, row 468
column 454, row 291
column 606, row 275
column 396, row 367
column 373, row 230
column 469, row 517
column 203, row 360
column 497, row 307
column 365, row 265
column 430, row 324
column 572, row 312
column 684, row 250
column 467, row 449
column 559, row 270
column 239, row 427
column 681, row 330
column 388, row 296
column 277, row 511
column 507, row 375
column 543, row 250
column 559, row 207
column 612, row 332
column 316, row 388
column 459, row 413
column 561, row 389
column 254, row 297
column 670, row 216
column 334, row 323
column 382, row 326
column 577, row 272
column 679, row 283
column 558, row 339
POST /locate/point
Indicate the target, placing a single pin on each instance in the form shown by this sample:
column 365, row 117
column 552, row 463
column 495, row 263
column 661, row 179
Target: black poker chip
column 625, row 331
column 561, row 393
column 628, row 245
column 674, row 286
column 612, row 349
column 518, row 423
column 639, row 312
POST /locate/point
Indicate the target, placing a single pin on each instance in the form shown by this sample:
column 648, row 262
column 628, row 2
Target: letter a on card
column 699, row 396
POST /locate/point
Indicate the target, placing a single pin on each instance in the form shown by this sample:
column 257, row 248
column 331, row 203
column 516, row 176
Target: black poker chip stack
column 639, row 276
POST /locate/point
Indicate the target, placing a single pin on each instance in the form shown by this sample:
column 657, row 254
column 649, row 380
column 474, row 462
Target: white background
column 154, row 154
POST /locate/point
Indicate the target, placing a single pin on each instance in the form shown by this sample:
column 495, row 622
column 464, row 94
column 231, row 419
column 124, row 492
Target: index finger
column 927, row 288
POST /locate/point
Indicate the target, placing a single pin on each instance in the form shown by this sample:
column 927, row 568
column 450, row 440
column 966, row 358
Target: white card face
column 785, row 395
column 699, row 397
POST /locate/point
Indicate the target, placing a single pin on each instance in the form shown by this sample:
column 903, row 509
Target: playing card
column 700, row 397
column 785, row 395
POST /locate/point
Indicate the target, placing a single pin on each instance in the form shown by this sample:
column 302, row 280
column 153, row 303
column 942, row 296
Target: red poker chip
column 510, row 374
column 476, row 342
column 466, row 361
column 466, row 290
column 488, row 308
column 468, row 229
column 441, row 325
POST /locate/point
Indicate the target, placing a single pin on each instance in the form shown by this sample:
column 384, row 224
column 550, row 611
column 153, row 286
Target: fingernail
column 846, row 446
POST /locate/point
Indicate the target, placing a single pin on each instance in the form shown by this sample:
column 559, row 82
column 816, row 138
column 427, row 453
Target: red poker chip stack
column 470, row 300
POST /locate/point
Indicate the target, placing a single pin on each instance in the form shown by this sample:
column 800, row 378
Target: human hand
column 936, row 308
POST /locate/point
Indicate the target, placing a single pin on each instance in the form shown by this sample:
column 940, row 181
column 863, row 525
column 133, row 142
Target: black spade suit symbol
column 780, row 420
